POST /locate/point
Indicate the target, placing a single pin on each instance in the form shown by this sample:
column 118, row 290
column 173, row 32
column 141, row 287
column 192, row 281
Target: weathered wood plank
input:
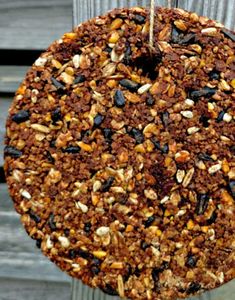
column 6, row 203
column 33, row 290
column 11, row 77
column 26, row 24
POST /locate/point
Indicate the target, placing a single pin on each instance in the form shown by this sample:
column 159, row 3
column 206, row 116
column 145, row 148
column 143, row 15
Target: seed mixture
column 120, row 159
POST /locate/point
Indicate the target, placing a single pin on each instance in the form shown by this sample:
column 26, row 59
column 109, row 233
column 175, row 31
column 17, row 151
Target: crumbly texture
column 120, row 159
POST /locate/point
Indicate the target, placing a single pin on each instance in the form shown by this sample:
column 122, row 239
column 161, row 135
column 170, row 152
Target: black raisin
column 149, row 221
column 21, row 116
column 137, row 135
column 165, row 149
column 220, row 116
column 229, row 34
column 72, row 149
column 191, row 261
column 204, row 92
column 50, row 158
column 57, row 84
column 98, row 120
column 96, row 261
column 34, row 217
column 165, row 118
column 107, row 184
column 119, row 99
column 79, row 79
column 150, row 100
column 212, row 218
column 214, row 75
column 87, row 227
column 205, row 157
column 129, row 84
column 205, row 121
column 95, row 270
column 232, row 187
column 84, row 254
column 193, row 288
column 108, row 49
column 202, row 203
column 12, row 152
column 108, row 133
column 155, row 273
column 139, row 19
column 108, row 289
column 56, row 115
column 144, row 245
column 51, row 222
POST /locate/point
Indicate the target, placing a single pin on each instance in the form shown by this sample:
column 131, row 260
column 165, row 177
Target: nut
column 210, row 31
column 40, row 128
column 150, row 194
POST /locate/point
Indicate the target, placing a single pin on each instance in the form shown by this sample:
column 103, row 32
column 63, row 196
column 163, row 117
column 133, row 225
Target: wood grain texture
column 27, row 24
column 11, row 77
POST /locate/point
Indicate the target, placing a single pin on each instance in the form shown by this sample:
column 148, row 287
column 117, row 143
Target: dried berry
column 232, row 187
column 84, row 254
column 87, row 227
column 119, row 99
column 50, row 158
column 95, row 270
column 220, row 116
column 34, row 217
column 149, row 221
column 214, row 75
column 139, row 19
column 21, row 116
column 150, row 100
column 12, row 152
column 204, row 92
column 129, row 84
column 56, row 115
column 229, row 34
column 191, row 261
column 79, row 79
column 157, row 145
column 72, row 149
column 202, row 203
column 57, row 84
column 51, row 222
column 155, row 274
column 108, row 289
column 193, row 288
column 205, row 121
column 205, row 157
column 107, row 184
column 212, row 218
column 98, row 120
column 137, row 135
column 108, row 133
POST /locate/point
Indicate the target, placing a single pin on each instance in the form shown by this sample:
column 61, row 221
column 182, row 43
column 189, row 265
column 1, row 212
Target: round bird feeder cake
column 120, row 157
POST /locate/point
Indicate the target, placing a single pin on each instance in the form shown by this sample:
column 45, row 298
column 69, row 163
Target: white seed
column 109, row 69
column 200, row 164
column 118, row 189
column 227, row 118
column 181, row 213
column 64, row 241
column 221, row 277
column 76, row 61
column 49, row 243
column 103, row 230
column 25, row 194
column 225, row 138
column 17, row 175
column 188, row 177
column 143, row 89
column 189, row 102
column 150, row 194
column 180, row 176
column 211, row 31
column 165, row 199
column 110, row 200
column 97, row 185
column 215, row 168
column 40, row 128
column 40, row 62
column 116, row 57
column 66, row 78
column 187, row 114
column 192, row 130
column 179, row 245
column 211, row 233
column 83, row 207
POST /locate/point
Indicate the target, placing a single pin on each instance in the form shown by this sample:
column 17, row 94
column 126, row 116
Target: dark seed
column 191, row 261
column 205, row 121
column 97, row 262
column 165, row 118
column 205, row 157
column 52, row 143
column 98, row 120
column 205, row 92
column 144, row 245
column 128, row 272
column 220, row 116
column 157, row 145
column 137, row 135
column 67, row 232
column 139, row 19
column 108, row 289
column 72, row 149
column 228, row 34
column 150, row 101
column 12, row 152
column 21, row 116
column 187, row 39
column 38, row 244
column 57, row 84
column 107, row 184
column 84, row 254
column 165, row 149
column 127, row 55
column 79, row 79
column 108, row 49
column 214, row 75
column 202, row 203
column 87, row 227
column 34, row 217
column 149, row 221
column 51, row 222
column 95, row 270
column 56, row 115
column 119, row 99
column 155, row 273
column 108, row 133
column 129, row 84
column 175, row 35
column 232, row 187
column 85, row 134
column 72, row 254
column 212, row 219
column 50, row 157
column 232, row 149
column 193, row 288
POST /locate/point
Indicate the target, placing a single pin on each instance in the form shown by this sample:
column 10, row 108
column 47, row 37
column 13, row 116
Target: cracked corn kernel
column 99, row 254
column 114, row 37
column 190, row 225
column 84, row 146
column 116, row 24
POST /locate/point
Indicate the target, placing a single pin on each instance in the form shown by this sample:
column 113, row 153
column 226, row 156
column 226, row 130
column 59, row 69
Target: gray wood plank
column 5, row 200
column 19, row 289
column 26, row 24
column 11, row 77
